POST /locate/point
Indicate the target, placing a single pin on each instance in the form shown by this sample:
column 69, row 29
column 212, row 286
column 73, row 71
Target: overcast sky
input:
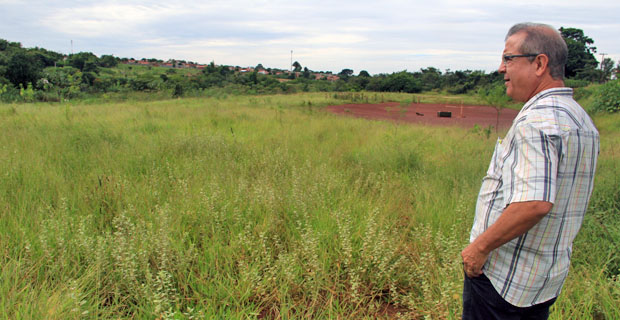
column 378, row 36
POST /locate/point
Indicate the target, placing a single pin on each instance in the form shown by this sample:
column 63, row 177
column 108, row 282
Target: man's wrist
column 480, row 246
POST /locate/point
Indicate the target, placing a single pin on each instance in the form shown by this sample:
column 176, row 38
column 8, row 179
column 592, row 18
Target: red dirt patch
column 465, row 116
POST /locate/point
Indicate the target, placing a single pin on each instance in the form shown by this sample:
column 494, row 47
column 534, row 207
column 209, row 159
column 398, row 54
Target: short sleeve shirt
column 549, row 154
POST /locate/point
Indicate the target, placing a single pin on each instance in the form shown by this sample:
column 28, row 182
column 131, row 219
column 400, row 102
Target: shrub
column 494, row 94
column 582, row 93
column 607, row 98
column 576, row 83
column 9, row 93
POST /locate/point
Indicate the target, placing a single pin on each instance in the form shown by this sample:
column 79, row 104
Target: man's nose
column 502, row 67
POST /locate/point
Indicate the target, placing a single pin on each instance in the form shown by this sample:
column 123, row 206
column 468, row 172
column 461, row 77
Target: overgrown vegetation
column 259, row 207
column 607, row 97
column 235, row 203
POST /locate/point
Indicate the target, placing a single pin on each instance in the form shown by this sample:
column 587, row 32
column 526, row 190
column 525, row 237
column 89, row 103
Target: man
column 536, row 190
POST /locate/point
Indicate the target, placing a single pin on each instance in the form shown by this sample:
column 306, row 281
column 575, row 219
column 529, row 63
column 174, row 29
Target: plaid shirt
column 549, row 154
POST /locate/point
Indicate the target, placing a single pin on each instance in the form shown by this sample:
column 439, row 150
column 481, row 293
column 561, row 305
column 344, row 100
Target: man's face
column 519, row 73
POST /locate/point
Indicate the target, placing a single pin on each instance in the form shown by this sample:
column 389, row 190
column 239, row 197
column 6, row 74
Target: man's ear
column 542, row 64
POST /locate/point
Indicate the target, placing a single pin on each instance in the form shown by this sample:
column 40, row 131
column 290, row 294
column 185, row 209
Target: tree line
column 37, row 74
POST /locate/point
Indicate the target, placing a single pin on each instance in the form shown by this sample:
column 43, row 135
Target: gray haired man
column 537, row 188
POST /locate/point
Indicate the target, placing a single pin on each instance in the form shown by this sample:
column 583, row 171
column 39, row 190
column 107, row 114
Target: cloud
column 104, row 19
column 384, row 36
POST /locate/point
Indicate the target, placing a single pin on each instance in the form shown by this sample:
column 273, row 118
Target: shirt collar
column 560, row 91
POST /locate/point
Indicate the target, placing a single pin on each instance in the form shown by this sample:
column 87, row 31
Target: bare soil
column 465, row 116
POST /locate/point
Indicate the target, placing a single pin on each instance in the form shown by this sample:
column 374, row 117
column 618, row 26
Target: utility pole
column 71, row 46
column 291, row 61
column 602, row 59
column 603, row 79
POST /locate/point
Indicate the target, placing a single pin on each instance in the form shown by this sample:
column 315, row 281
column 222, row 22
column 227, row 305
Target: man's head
column 533, row 60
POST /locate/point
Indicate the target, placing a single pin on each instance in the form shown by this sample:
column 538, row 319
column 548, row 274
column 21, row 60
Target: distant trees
column 23, row 68
column 8, row 45
column 19, row 66
column 345, row 74
column 108, row 61
column 362, row 80
column 85, row 61
column 30, row 74
column 38, row 74
column 607, row 68
column 403, row 82
column 431, row 79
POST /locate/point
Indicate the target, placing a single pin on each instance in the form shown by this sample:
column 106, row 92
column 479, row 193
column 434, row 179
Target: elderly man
column 536, row 190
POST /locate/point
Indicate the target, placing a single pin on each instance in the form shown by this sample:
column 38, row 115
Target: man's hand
column 516, row 219
column 473, row 260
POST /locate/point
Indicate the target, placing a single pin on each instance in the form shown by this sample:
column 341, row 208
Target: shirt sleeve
column 530, row 170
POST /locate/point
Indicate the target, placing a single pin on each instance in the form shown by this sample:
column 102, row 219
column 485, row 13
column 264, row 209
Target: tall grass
column 255, row 207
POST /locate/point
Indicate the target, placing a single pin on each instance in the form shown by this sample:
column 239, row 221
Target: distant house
column 183, row 64
column 332, row 77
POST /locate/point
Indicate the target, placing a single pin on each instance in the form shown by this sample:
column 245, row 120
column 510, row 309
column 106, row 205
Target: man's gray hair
column 542, row 38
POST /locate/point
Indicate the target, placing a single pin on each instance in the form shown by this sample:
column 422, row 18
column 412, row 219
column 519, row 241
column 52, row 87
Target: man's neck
column 548, row 83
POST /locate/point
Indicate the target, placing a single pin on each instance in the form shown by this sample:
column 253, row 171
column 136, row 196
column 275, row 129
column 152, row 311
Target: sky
column 377, row 36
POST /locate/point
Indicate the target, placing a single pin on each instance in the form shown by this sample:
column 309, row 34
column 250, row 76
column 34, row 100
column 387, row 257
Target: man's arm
column 515, row 220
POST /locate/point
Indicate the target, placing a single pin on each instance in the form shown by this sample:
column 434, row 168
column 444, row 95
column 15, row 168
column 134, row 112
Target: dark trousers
column 481, row 301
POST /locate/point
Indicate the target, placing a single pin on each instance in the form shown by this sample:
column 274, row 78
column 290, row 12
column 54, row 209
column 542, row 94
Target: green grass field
column 257, row 207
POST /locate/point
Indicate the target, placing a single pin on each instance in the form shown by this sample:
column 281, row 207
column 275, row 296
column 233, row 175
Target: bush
column 494, row 94
column 9, row 93
column 576, row 83
column 607, row 98
column 582, row 93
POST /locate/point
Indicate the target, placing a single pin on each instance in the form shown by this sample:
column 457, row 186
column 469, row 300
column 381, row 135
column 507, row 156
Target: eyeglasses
column 508, row 58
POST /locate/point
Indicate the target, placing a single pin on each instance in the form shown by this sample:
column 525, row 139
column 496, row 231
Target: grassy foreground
column 257, row 207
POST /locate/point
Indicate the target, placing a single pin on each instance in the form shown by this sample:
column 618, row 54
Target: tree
column 306, row 73
column 85, row 61
column 296, row 66
column 23, row 69
column 364, row 73
column 345, row 74
column 47, row 58
column 402, row 82
column 211, row 68
column 259, row 67
column 580, row 53
column 7, row 45
column 607, row 66
column 362, row 80
column 108, row 61
column 431, row 78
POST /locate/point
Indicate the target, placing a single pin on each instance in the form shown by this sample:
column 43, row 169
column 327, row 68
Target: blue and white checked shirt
column 549, row 154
